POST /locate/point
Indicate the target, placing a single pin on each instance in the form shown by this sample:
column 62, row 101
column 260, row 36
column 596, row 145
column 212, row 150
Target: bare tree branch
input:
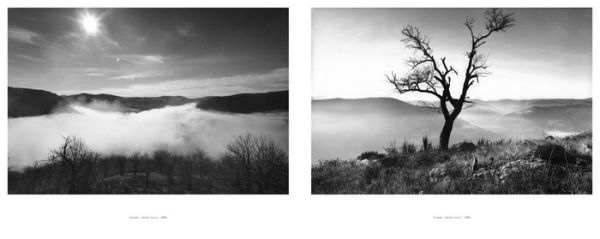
column 417, row 80
column 431, row 76
column 431, row 106
column 496, row 21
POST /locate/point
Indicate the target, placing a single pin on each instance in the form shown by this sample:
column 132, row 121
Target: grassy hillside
column 542, row 166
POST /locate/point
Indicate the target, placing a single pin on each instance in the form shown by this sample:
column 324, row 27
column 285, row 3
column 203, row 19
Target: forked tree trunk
column 445, row 134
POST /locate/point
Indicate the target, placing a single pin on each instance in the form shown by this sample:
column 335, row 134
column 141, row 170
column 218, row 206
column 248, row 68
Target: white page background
column 299, row 214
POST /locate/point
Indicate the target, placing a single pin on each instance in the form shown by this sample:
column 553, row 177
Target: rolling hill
column 246, row 103
column 530, row 118
column 346, row 127
column 30, row 102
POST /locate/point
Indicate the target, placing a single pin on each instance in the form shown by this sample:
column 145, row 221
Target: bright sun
column 89, row 24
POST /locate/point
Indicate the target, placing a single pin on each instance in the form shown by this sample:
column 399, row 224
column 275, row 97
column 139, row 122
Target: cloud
column 134, row 76
column 179, row 129
column 31, row 58
column 274, row 80
column 184, row 30
column 95, row 74
column 140, row 59
column 24, row 36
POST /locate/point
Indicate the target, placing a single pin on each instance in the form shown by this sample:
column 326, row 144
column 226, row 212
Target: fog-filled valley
column 343, row 128
column 104, row 128
column 104, row 143
column 147, row 100
column 387, row 146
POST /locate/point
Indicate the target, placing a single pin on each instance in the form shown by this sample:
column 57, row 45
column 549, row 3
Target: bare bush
column 258, row 165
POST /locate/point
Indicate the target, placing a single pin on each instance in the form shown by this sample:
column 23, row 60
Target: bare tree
column 432, row 76
column 122, row 163
column 191, row 164
column 147, row 165
column 166, row 163
column 259, row 165
column 34, row 172
column 204, row 166
column 271, row 166
column 242, row 151
column 77, row 161
column 135, row 162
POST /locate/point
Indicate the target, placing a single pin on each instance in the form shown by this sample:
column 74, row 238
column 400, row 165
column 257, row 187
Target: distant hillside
column 529, row 118
column 346, row 127
column 29, row 102
column 246, row 103
column 508, row 106
column 568, row 117
column 368, row 105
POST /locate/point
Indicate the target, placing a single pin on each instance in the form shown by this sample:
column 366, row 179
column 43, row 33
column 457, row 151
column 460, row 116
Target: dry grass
column 567, row 169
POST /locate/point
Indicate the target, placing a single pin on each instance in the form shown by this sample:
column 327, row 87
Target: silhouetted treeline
column 251, row 165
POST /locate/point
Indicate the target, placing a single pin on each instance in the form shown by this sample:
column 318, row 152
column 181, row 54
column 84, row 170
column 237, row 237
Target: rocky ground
column 548, row 165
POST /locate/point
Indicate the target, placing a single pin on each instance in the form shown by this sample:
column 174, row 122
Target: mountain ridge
column 23, row 102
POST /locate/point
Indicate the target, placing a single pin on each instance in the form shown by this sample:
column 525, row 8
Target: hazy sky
column 547, row 54
column 148, row 52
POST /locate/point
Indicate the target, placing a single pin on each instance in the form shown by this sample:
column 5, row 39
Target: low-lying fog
column 339, row 132
column 345, row 136
column 107, row 130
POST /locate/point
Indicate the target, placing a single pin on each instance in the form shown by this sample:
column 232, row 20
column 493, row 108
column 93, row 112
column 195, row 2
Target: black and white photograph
column 451, row 101
column 147, row 101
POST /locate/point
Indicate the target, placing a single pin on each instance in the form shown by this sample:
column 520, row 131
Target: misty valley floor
column 540, row 166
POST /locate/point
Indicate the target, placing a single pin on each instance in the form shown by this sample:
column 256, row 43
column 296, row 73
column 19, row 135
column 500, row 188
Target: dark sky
column 546, row 54
column 149, row 52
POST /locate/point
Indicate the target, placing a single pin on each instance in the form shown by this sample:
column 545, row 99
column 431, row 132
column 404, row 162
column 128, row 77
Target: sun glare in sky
column 90, row 24
column 170, row 51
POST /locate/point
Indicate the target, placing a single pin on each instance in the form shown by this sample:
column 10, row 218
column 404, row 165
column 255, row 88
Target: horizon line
column 388, row 97
column 83, row 92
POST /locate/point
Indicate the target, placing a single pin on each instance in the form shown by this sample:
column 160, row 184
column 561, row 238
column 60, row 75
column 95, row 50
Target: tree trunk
column 122, row 166
column 34, row 179
column 445, row 135
column 135, row 168
column 106, row 171
column 72, row 188
column 147, row 178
